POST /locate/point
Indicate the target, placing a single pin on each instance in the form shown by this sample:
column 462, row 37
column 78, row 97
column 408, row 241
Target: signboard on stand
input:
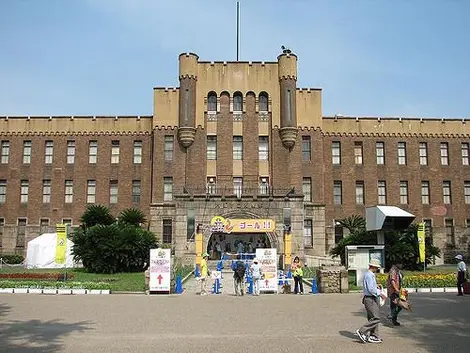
column 160, row 270
column 268, row 260
column 358, row 258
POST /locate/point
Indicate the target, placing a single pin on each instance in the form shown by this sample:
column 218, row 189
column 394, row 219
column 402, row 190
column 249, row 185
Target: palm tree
column 132, row 216
column 96, row 214
column 353, row 223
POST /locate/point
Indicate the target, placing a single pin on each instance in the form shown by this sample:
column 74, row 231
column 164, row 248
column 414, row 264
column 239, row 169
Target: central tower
column 287, row 66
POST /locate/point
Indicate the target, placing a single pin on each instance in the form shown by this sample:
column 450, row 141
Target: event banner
column 422, row 243
column 160, row 270
column 225, row 225
column 268, row 261
column 61, row 246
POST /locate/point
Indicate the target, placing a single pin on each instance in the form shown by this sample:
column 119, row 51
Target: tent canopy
column 41, row 252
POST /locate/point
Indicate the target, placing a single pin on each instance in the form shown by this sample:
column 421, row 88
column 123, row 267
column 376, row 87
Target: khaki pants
column 203, row 285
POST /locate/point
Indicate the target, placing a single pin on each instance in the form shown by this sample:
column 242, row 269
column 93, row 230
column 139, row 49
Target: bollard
column 196, row 272
column 179, row 285
column 220, row 265
column 250, row 285
column 289, row 274
column 281, row 275
column 314, row 286
column 216, row 287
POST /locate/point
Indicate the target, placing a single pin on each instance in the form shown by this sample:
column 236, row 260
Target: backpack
column 240, row 270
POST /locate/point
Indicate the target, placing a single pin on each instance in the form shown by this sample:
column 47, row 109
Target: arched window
column 212, row 102
column 263, row 102
column 237, row 102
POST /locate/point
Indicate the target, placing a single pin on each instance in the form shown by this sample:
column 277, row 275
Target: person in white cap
column 255, row 270
column 369, row 331
column 461, row 273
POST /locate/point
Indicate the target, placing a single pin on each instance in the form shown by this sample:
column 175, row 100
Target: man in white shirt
column 461, row 273
column 256, row 274
column 370, row 330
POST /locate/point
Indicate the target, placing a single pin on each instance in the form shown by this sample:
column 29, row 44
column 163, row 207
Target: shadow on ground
column 35, row 335
column 437, row 323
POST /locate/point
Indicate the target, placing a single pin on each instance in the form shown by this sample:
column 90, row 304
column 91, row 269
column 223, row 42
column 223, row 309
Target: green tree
column 96, row 214
column 115, row 247
column 132, row 216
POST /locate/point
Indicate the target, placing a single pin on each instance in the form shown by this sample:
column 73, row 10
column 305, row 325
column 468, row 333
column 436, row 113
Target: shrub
column 12, row 259
column 113, row 248
column 423, row 280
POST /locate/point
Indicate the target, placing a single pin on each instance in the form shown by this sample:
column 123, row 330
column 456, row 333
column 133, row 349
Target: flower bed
column 37, row 276
column 423, row 280
column 54, row 285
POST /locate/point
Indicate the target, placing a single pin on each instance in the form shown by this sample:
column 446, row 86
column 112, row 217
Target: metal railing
column 213, row 190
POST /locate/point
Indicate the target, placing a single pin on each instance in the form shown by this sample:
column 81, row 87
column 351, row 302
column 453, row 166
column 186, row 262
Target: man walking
column 256, row 274
column 369, row 331
column 461, row 273
column 395, row 279
column 238, row 268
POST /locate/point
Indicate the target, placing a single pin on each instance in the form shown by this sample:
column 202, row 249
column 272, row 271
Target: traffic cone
column 179, row 285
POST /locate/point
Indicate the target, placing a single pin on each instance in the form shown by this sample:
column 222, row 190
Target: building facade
column 241, row 153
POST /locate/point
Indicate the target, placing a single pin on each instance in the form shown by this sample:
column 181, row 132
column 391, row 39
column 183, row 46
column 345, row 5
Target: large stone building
column 241, row 141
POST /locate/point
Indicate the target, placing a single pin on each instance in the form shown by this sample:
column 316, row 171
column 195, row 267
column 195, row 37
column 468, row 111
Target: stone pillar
column 287, row 68
column 187, row 99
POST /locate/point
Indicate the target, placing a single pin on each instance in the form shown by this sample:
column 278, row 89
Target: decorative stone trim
column 186, row 135
column 450, row 290
column 20, row 290
column 94, row 291
column 437, row 290
column 423, row 290
column 288, row 136
column 78, row 291
column 6, row 290
column 35, row 291
column 49, row 291
column 64, row 291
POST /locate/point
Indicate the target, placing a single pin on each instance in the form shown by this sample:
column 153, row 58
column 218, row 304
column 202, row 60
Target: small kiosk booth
column 380, row 219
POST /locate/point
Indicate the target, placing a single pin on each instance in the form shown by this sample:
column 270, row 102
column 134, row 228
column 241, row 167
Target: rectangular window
column 446, row 192
column 466, row 191
column 211, row 147
column 190, row 224
column 138, row 152
column 404, row 192
column 5, row 151
column 70, row 152
column 465, row 153
column 308, row 237
column 444, row 153
column 336, row 152
column 115, row 152
column 306, row 148
column 211, row 185
column 44, row 225
column 337, row 192
column 238, row 186
column 3, row 191
column 68, row 191
column 380, row 152
column 237, row 147
column 263, row 148
column 428, row 228
column 91, row 191
column 264, row 186
column 46, row 191
column 21, row 232
column 113, row 191
column 169, row 146
column 168, row 189
column 359, row 192
column 358, row 152
column 92, row 152
column 307, row 189
column 423, row 153
column 136, row 191
column 67, row 222
column 382, row 192
column 402, row 153
column 425, row 196
column 167, row 231
column 24, row 191
column 49, row 152
column 450, row 232
column 26, row 152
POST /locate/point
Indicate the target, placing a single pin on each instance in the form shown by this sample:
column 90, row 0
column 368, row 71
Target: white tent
column 41, row 252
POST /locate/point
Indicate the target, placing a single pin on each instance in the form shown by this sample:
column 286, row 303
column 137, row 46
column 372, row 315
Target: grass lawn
column 117, row 282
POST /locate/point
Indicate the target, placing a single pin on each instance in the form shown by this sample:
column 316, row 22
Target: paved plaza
column 224, row 323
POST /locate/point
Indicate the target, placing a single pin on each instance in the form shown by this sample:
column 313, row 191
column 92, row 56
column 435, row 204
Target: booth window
column 308, row 238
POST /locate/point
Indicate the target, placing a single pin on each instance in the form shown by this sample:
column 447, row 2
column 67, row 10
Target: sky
column 408, row 58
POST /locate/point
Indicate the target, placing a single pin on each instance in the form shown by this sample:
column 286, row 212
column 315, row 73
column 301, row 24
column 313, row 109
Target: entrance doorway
column 227, row 246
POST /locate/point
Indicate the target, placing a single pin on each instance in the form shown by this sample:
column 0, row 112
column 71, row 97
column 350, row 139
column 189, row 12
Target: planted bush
column 32, row 275
column 423, row 280
column 12, row 259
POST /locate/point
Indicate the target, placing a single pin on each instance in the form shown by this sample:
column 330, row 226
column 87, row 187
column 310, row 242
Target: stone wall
column 332, row 280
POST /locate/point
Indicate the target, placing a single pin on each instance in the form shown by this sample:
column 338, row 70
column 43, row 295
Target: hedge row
column 38, row 276
column 436, row 280
column 12, row 259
